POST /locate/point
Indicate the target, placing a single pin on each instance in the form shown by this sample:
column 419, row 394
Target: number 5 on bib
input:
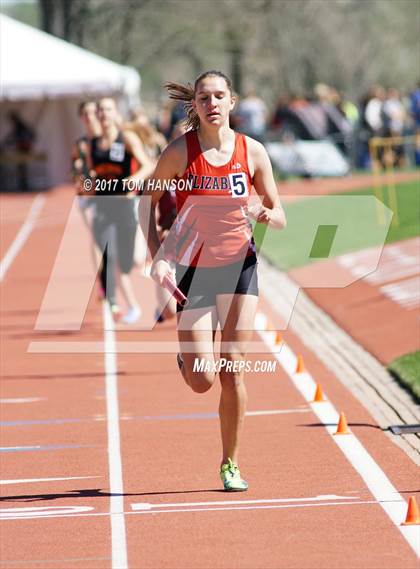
column 238, row 185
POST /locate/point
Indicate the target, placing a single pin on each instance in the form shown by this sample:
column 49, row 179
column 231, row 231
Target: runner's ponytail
column 185, row 94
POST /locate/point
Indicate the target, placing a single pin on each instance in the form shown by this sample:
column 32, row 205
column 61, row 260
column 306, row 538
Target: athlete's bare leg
column 127, row 290
column 94, row 251
column 237, row 315
column 196, row 332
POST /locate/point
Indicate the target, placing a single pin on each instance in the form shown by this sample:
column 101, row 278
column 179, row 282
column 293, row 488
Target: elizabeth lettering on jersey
column 234, row 184
column 212, row 226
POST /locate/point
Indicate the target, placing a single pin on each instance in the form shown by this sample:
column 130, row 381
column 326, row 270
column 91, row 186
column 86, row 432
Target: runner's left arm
column 270, row 212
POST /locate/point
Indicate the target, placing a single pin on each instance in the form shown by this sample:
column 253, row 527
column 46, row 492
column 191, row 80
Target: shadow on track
column 372, row 426
column 96, row 493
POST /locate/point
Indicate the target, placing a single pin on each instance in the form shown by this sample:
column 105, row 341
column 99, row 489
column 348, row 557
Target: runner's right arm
column 171, row 164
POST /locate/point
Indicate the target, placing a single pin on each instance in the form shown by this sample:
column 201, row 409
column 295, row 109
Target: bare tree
column 271, row 44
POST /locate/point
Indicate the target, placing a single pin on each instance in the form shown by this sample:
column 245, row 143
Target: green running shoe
column 231, row 478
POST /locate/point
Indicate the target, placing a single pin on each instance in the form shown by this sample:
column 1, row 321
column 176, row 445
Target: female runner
column 215, row 252
column 114, row 222
column 81, row 167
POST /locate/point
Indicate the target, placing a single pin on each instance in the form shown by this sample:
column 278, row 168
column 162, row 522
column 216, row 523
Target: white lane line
column 147, row 506
column 22, row 400
column 378, row 483
column 276, row 412
column 129, row 347
column 127, row 417
column 118, row 532
column 256, row 507
column 406, row 293
column 87, row 514
column 30, row 480
column 22, row 235
column 41, row 511
column 32, row 447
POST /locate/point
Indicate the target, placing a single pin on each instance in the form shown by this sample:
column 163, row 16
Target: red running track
column 57, row 422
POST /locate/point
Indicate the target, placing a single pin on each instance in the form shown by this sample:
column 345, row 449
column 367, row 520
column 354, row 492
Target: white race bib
column 117, row 151
column 238, row 185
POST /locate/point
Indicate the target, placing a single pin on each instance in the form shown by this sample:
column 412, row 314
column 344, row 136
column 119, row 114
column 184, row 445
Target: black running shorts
column 201, row 285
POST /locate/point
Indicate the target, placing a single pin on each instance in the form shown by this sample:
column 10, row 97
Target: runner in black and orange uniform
column 216, row 261
column 166, row 215
column 80, row 157
column 113, row 185
column 81, row 166
column 154, row 143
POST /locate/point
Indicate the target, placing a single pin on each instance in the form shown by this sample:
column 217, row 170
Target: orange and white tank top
column 212, row 227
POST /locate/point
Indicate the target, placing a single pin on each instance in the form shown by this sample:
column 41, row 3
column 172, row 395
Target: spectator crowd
column 327, row 114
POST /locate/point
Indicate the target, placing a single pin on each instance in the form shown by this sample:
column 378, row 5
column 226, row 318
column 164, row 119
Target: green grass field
column 407, row 370
column 327, row 226
column 324, row 227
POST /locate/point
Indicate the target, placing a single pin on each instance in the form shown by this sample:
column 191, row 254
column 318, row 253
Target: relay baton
column 178, row 295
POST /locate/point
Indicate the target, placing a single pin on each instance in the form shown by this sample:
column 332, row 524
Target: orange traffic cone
column 278, row 339
column 300, row 366
column 319, row 396
column 342, row 427
column 413, row 515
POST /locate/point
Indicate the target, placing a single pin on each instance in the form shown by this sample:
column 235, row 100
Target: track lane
column 179, row 456
column 13, row 211
column 171, row 456
column 63, row 421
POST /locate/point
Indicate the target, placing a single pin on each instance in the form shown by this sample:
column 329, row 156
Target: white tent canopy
column 44, row 78
column 35, row 65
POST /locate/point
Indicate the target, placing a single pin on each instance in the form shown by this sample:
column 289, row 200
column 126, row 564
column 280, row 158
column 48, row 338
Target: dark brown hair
column 84, row 104
column 186, row 94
